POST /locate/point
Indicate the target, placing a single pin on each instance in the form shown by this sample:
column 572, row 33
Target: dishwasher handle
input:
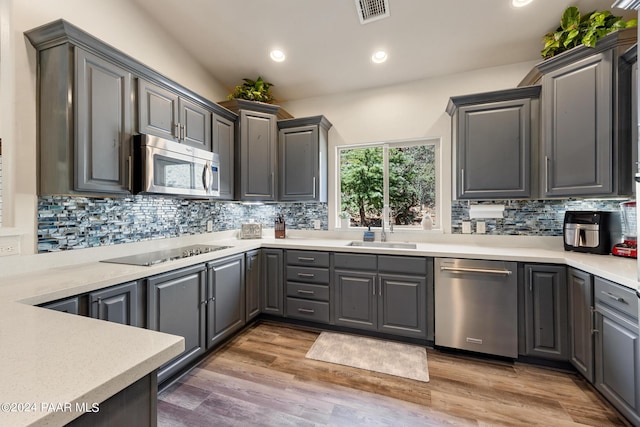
column 476, row 270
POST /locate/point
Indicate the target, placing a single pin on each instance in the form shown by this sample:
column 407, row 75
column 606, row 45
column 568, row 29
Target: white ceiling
column 329, row 51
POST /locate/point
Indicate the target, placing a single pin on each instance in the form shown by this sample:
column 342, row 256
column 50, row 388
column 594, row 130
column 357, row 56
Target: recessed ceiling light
column 379, row 57
column 520, row 3
column 277, row 55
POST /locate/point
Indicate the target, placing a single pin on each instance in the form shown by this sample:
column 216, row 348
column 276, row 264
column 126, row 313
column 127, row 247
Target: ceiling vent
column 372, row 10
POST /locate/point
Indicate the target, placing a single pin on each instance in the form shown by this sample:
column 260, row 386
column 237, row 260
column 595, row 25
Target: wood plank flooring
column 261, row 377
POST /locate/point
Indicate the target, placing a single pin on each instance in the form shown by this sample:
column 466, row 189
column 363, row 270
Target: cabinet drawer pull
column 614, row 297
column 306, row 259
column 306, row 310
column 311, row 275
column 302, row 291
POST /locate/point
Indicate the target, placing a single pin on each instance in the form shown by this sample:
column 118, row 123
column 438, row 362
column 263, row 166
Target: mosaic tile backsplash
column 527, row 217
column 70, row 222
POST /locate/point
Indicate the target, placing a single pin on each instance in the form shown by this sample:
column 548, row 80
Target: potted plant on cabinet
column 256, row 91
column 575, row 30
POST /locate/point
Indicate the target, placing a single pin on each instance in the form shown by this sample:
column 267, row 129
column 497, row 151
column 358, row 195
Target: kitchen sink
column 396, row 245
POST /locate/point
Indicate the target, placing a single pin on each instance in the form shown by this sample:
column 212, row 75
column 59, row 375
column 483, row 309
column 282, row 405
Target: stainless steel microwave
column 162, row 166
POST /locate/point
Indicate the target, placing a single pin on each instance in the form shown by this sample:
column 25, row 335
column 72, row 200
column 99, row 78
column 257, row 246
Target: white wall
column 407, row 111
column 119, row 23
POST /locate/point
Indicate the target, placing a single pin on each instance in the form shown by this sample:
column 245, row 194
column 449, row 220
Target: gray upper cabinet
column 225, row 298
column 176, row 304
column 88, row 108
column 545, row 311
column 223, row 143
column 302, row 149
column 166, row 114
column 118, row 304
column 586, row 103
column 84, row 119
column 256, row 156
column 495, row 134
column 580, row 288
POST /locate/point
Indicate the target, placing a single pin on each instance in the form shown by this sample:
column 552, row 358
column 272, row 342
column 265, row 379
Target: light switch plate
column 316, row 224
column 481, row 227
column 466, row 227
column 9, row 245
column 209, row 226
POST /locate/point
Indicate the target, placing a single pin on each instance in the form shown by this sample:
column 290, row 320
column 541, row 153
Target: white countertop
column 50, row 357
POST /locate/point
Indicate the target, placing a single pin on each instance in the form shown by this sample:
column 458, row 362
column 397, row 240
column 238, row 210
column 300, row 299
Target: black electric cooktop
column 157, row 257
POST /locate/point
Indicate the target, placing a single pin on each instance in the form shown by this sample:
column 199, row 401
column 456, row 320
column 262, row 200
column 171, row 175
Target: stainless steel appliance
column 476, row 306
column 162, row 166
column 157, row 257
column 591, row 231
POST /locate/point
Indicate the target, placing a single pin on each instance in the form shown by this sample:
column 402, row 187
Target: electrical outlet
column 466, row 227
column 9, row 245
column 316, row 224
column 481, row 227
column 209, row 226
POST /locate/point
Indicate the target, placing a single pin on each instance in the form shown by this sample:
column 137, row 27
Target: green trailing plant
column 576, row 29
column 253, row 90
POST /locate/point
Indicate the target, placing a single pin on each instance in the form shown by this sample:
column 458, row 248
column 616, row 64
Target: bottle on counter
column 427, row 222
column 280, row 227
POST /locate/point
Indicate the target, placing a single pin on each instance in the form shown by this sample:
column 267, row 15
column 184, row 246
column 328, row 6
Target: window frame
column 385, row 145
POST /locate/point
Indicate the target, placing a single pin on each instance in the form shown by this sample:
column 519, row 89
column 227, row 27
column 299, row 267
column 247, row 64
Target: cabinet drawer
column 315, row 311
column 355, row 261
column 616, row 296
column 308, row 274
column 303, row 290
column 310, row 258
column 402, row 264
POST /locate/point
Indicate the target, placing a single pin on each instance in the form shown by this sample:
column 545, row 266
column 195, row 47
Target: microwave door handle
column 205, row 177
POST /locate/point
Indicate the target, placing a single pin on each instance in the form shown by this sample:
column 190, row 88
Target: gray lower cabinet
column 68, row 305
column 307, row 286
column 494, row 133
column 176, row 304
column 225, row 298
column 356, row 303
column 387, row 294
column 166, row 114
column 580, row 290
column 118, row 304
column 272, row 265
column 252, row 284
column 302, row 150
column 84, row 121
column 223, row 143
column 617, row 347
column 256, row 156
column 545, row 311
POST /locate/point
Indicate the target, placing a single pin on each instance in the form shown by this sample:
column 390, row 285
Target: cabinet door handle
column 306, row 310
column 530, row 280
column 306, row 275
column 374, row 287
column 314, row 187
column 462, row 181
column 183, row 132
column 212, row 299
column 176, row 132
column 203, row 302
column 304, row 292
column 546, row 173
column 130, row 173
column 306, row 259
column 614, row 297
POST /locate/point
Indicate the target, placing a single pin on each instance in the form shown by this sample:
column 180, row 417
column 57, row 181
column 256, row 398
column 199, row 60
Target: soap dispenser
column 280, row 227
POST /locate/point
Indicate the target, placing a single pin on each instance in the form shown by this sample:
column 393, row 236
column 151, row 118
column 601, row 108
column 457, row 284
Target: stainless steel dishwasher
column 476, row 306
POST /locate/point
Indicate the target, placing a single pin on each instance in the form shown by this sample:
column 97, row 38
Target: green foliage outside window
column 412, row 184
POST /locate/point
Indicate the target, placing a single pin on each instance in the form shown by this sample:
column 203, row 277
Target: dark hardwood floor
column 261, row 377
